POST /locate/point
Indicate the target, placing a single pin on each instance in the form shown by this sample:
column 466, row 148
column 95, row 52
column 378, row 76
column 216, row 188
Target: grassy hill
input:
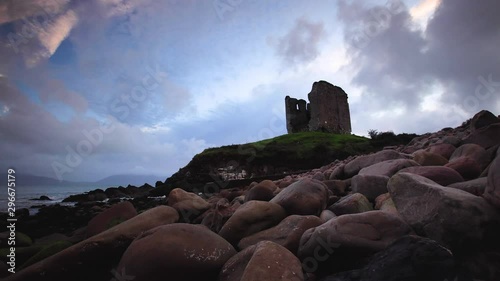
column 275, row 156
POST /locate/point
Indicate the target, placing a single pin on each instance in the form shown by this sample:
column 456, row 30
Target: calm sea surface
column 25, row 193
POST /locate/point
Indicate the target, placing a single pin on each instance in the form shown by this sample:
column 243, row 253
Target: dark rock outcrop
column 410, row 258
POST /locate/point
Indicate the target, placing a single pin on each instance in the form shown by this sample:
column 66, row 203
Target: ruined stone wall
column 297, row 115
column 328, row 111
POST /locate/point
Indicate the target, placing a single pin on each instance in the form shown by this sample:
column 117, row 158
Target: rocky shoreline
column 429, row 210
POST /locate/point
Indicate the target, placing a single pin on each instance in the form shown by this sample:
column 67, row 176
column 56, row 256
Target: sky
column 94, row 88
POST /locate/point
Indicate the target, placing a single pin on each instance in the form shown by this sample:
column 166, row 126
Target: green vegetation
column 46, row 252
column 381, row 139
column 115, row 222
column 275, row 157
column 298, row 151
column 23, row 240
column 302, row 143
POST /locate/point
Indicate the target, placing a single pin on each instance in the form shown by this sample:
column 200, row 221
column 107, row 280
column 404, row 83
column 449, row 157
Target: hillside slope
column 276, row 156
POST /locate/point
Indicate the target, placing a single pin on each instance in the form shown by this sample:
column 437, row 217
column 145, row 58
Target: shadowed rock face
column 408, row 258
column 328, row 111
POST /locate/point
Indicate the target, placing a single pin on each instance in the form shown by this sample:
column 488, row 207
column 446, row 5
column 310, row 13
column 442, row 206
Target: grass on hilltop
column 296, row 151
column 278, row 155
column 301, row 144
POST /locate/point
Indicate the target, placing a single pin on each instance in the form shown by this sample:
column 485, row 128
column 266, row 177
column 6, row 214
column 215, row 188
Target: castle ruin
column 327, row 111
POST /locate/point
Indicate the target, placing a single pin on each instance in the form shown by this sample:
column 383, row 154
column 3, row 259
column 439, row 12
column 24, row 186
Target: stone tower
column 297, row 115
column 328, row 111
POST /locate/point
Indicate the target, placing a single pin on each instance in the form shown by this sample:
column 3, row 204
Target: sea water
column 25, row 194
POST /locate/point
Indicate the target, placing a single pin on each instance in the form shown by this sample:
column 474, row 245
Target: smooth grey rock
column 452, row 217
column 370, row 186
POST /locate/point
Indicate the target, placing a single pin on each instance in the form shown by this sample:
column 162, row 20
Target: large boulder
column 216, row 217
column 176, row 252
column 305, row 197
column 263, row 191
column 327, row 215
column 410, row 258
column 384, row 203
column 492, row 193
column 188, row 204
column 353, row 167
column 452, row 217
column 287, row 233
column 263, row 261
column 474, row 152
column 466, row 167
column 476, row 186
column 442, row 175
column 94, row 258
column 230, row 194
column 453, row 140
column 425, row 158
column 250, row 218
column 342, row 241
column 483, row 119
column 351, row 204
column 337, row 173
column 370, row 186
column 116, row 214
column 337, row 187
column 387, row 168
column 443, row 149
column 486, row 137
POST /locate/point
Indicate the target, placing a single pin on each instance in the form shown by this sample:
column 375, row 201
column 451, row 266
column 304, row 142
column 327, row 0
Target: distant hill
column 116, row 180
column 31, row 180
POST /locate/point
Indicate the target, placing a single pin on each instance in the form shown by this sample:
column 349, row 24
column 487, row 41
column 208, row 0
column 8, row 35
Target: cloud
column 34, row 11
column 55, row 91
column 424, row 9
column 57, row 32
column 401, row 67
column 32, row 140
column 38, row 27
column 301, row 43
